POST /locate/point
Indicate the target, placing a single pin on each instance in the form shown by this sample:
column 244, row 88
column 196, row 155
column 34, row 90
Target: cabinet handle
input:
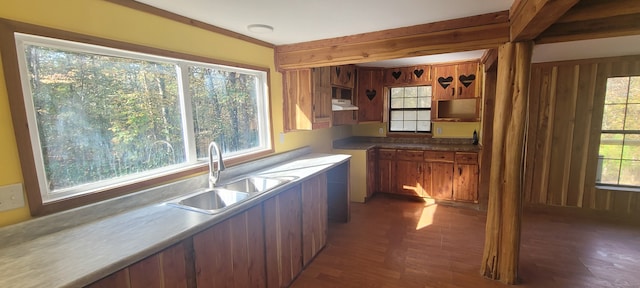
column 453, row 91
column 459, row 91
column 460, row 171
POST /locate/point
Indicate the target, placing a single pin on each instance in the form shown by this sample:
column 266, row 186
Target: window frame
column 18, row 107
column 408, row 133
column 624, row 132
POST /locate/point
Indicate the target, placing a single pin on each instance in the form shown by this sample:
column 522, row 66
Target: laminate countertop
column 78, row 255
column 365, row 143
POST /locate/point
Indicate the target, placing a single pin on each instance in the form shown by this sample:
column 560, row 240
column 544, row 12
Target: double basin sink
column 218, row 199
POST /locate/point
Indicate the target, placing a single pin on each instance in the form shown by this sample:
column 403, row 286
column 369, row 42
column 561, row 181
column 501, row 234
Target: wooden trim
column 185, row 20
column 529, row 18
column 21, row 128
column 490, row 59
column 463, row 34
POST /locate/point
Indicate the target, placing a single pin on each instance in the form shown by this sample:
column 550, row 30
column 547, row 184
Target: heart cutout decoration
column 418, row 73
column 396, row 74
column 338, row 71
column 467, row 80
column 371, row 94
column 445, row 82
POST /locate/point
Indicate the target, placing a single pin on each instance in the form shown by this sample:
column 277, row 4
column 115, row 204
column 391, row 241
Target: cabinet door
column 441, row 174
column 444, row 81
column 298, row 102
column 467, row 79
column 371, row 172
column 386, row 170
column 397, row 76
column 321, row 98
column 168, row 268
column 343, row 76
column 409, row 178
column 421, row 75
column 283, row 237
column 231, row 253
column 370, row 98
column 314, row 217
column 347, row 117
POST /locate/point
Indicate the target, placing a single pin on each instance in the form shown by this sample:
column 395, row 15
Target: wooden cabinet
column 230, row 253
column 314, row 217
column 386, row 170
column 465, row 180
column 343, row 76
column 409, row 178
column 408, row 76
column 439, row 174
column 456, row 81
column 283, row 237
column 169, row 268
column 307, row 99
column 372, row 168
column 370, row 95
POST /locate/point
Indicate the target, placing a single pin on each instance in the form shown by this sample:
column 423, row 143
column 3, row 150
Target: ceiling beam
column 529, row 18
column 463, row 34
column 591, row 19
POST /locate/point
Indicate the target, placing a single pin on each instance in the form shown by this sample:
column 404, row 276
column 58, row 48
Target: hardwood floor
column 393, row 242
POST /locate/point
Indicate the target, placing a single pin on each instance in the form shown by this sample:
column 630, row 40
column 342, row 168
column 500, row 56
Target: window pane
column 631, row 149
column 617, row 89
column 424, row 91
column 396, row 125
column 632, row 122
column 397, row 93
column 630, row 173
column 102, row 117
column 424, row 125
column 424, row 102
column 410, row 102
column 396, row 115
column 410, row 115
column 610, row 171
column 397, row 103
column 409, row 126
column 613, row 117
column 225, row 109
column 634, row 90
column 411, row 92
column 611, row 145
column 424, row 115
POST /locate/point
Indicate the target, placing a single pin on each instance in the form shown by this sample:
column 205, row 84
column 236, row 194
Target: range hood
column 342, row 104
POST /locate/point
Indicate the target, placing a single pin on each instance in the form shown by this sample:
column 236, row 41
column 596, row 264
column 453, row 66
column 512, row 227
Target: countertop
column 79, row 255
column 365, row 143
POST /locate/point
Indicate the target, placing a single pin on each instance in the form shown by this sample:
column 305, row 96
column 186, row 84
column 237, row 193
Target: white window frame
column 264, row 123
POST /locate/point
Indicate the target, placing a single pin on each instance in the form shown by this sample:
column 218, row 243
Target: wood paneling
column 229, row 254
column 283, row 237
column 565, row 109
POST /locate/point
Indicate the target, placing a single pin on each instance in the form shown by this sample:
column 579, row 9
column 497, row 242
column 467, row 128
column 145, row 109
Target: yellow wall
column 107, row 20
column 455, row 129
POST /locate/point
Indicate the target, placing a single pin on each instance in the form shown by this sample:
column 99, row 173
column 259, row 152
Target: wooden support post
column 502, row 238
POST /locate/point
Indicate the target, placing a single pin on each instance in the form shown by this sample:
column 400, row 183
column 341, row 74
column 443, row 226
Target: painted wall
column 107, row 20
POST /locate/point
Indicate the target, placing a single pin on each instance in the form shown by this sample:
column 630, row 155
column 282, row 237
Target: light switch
column 11, row 197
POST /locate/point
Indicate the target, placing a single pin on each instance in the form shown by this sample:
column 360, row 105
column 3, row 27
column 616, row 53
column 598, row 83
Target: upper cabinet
column 307, row 99
column 370, row 94
column 408, row 76
column 343, row 76
column 456, row 81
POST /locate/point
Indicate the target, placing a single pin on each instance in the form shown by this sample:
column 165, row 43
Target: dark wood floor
column 393, row 242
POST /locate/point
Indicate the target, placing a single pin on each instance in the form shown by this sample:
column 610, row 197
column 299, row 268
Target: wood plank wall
column 565, row 117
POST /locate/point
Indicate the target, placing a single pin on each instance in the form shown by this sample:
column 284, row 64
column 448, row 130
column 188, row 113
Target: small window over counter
column 410, row 109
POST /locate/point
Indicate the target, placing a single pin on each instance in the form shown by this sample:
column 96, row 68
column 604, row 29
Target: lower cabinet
column 283, row 237
column 169, row 268
column 265, row 246
column 409, row 176
column 386, row 171
column 372, row 167
column 314, row 217
column 465, row 180
column 227, row 254
column 439, row 174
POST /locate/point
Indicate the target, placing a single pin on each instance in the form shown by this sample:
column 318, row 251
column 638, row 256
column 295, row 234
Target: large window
column 410, row 109
column 102, row 117
column 619, row 162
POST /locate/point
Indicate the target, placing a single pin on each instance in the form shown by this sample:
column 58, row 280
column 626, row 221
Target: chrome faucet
column 214, row 175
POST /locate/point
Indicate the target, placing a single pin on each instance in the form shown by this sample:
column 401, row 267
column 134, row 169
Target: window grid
column 619, row 160
column 410, row 109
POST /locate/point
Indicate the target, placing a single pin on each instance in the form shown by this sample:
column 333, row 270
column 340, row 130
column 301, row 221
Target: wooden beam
column 463, row 34
column 502, row 237
column 624, row 25
column 529, row 18
column 598, row 9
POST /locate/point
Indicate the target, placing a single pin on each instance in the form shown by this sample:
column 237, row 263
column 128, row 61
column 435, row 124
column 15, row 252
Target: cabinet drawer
column 466, row 158
column 387, row 154
column 438, row 156
column 410, row 155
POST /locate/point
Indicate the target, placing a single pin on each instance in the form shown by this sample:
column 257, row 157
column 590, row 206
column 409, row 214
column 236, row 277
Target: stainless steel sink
column 217, row 199
column 254, row 184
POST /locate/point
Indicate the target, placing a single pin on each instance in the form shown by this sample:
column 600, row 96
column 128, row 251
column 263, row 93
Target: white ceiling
column 296, row 21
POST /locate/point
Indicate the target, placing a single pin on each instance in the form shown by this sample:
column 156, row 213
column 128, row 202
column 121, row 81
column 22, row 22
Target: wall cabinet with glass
column 307, row 99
